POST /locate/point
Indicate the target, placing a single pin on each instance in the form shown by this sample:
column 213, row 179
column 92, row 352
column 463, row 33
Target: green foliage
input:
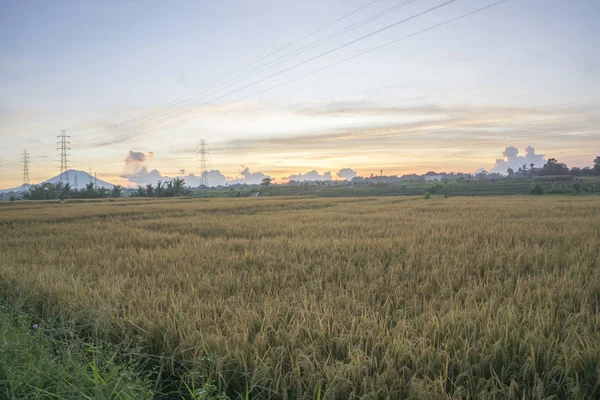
column 172, row 188
column 587, row 171
column 44, row 362
column 61, row 191
column 266, row 181
column 537, row 190
column 116, row 191
column 427, row 196
column 553, row 167
column 198, row 386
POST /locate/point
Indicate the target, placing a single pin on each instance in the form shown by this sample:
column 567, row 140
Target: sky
column 272, row 87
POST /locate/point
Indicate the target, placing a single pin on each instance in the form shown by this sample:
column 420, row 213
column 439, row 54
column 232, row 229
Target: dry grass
column 330, row 298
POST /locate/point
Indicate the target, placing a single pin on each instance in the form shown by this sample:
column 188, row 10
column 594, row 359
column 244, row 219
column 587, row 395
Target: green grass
column 47, row 360
column 470, row 187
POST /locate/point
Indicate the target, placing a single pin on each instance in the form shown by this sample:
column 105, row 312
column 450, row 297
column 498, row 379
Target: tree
column 149, row 190
column 160, row 189
column 510, row 172
column 597, row 166
column 140, row 192
column 53, row 191
column 553, row 167
column 178, row 186
column 116, row 191
column 537, row 190
column 90, row 191
column 481, row 174
column 266, row 182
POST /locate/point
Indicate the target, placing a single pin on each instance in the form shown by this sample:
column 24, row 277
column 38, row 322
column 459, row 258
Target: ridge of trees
column 554, row 167
column 173, row 188
column 62, row 191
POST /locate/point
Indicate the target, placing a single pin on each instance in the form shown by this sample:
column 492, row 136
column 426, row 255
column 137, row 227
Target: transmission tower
column 25, row 158
column 203, row 155
column 63, row 146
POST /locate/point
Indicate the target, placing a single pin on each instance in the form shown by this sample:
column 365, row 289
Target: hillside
column 77, row 179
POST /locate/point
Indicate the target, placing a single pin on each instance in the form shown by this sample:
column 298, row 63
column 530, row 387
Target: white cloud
column 346, row 173
column 513, row 160
column 250, row 178
column 310, row 176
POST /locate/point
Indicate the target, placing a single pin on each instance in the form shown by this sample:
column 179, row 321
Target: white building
column 432, row 177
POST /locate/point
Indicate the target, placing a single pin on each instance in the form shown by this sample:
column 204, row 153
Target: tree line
column 554, row 167
column 62, row 191
column 172, row 188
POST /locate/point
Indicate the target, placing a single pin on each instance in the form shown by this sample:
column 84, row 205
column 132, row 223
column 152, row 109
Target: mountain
column 77, row 179
column 23, row 188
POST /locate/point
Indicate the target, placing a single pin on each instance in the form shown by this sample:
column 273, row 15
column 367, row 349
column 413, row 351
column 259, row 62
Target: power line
column 370, row 50
column 64, row 155
column 25, row 158
column 351, row 57
column 253, row 72
column 429, row 10
column 243, row 67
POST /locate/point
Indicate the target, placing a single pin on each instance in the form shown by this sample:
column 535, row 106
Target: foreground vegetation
column 326, row 298
column 42, row 360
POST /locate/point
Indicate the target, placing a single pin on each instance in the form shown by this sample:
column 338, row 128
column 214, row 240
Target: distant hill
column 77, row 180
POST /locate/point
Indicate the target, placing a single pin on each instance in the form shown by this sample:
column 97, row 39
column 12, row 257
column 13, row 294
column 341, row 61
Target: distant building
column 433, row 177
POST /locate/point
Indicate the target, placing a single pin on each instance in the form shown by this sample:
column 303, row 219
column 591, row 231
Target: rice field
column 317, row 298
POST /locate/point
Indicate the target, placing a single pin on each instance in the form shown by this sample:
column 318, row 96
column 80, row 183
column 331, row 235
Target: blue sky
column 525, row 72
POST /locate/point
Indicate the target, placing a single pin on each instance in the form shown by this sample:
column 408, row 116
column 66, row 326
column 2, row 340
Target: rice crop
column 377, row 298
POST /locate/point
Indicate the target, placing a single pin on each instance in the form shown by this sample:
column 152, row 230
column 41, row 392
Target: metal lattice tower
column 63, row 146
column 25, row 158
column 203, row 155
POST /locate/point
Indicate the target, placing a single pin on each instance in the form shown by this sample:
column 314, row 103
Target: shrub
column 427, row 196
column 537, row 190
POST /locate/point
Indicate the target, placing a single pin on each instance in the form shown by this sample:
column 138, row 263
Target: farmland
column 374, row 297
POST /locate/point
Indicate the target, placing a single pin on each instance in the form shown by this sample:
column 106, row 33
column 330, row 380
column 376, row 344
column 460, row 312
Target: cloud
column 513, row 160
column 215, row 178
column 134, row 157
column 145, row 176
column 350, row 108
column 310, row 176
column 346, row 173
column 382, row 135
column 429, row 127
column 250, row 178
column 141, row 175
